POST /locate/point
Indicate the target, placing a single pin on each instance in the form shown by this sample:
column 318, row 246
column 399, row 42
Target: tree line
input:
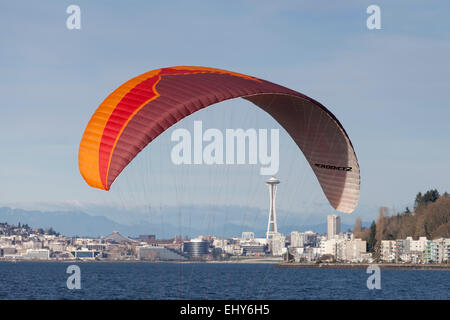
column 429, row 218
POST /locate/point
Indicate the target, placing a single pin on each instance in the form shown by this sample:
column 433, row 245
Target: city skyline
column 23, row 242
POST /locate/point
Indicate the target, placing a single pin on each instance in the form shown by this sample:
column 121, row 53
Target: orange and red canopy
column 147, row 105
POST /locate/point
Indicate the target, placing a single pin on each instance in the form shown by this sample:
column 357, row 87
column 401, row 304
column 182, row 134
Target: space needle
column 272, row 223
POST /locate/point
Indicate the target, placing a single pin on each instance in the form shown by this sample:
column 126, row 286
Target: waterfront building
column 389, row 250
column 251, row 246
column 233, row 249
column 417, row 245
column 437, row 251
column 353, row 250
column 196, row 248
column 36, row 254
column 431, row 252
column 7, row 251
column 446, row 253
column 253, row 249
column 306, row 254
column 442, row 250
column 328, row 247
column 96, row 246
column 277, row 244
column 161, row 253
column 416, row 249
column 343, row 249
column 85, row 253
column 297, row 239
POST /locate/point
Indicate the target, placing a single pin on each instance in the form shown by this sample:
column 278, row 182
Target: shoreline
column 275, row 263
column 385, row 266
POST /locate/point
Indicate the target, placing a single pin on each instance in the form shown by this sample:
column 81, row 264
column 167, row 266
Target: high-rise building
column 297, row 239
column 334, row 225
column 277, row 244
column 272, row 223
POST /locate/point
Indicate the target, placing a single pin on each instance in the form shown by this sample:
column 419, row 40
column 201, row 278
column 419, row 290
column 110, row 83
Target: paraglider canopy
column 144, row 107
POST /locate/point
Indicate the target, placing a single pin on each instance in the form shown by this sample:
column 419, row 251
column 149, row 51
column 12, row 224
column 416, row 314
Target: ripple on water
column 42, row 280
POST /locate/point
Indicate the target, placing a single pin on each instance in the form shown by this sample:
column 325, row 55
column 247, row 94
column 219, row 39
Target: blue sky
column 388, row 87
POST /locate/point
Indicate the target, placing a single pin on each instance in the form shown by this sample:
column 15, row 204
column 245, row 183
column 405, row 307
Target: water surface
column 109, row 280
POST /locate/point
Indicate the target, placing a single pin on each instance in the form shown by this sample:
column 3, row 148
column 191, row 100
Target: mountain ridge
column 79, row 223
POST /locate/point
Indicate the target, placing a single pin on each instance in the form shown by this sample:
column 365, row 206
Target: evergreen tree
column 429, row 196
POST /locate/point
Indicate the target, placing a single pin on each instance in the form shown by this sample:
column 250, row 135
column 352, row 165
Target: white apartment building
column 415, row 251
column 297, row 239
column 417, row 245
column 352, row 250
column 437, row 251
column 329, row 247
column 277, row 244
column 343, row 249
column 306, row 254
column 389, row 250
